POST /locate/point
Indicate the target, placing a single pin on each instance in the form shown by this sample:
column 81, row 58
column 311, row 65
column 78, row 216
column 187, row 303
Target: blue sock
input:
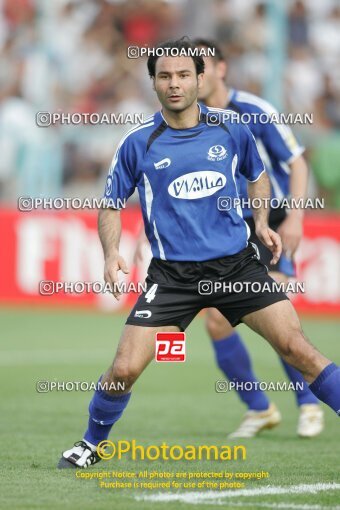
column 104, row 410
column 327, row 387
column 304, row 395
column 233, row 359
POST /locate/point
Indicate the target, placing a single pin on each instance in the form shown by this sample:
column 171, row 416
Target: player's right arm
column 120, row 185
column 109, row 229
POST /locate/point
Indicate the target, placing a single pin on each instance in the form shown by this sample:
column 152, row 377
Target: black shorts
column 172, row 297
column 284, row 265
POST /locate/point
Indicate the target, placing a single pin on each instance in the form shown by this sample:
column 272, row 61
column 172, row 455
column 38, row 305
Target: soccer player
column 288, row 174
column 180, row 165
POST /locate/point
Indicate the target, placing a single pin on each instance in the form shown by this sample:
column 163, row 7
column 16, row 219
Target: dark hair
column 211, row 45
column 183, row 44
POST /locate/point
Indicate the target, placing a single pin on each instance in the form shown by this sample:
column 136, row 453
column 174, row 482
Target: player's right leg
column 135, row 351
column 168, row 305
column 233, row 359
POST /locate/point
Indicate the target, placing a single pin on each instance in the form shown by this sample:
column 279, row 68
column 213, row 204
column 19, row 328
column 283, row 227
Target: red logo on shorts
column 170, row 346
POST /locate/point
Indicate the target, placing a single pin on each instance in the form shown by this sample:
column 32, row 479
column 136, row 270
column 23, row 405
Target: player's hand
column 291, row 230
column 114, row 264
column 271, row 240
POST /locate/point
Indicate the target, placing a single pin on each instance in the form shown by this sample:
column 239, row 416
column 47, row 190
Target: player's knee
column 296, row 348
column 124, row 372
column 217, row 326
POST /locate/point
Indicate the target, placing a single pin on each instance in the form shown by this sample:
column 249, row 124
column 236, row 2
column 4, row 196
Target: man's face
column 176, row 82
column 214, row 71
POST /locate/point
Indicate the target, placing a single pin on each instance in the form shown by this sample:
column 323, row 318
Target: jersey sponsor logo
column 197, row 185
column 217, row 153
column 108, row 186
column 170, row 346
column 143, row 314
column 164, row 163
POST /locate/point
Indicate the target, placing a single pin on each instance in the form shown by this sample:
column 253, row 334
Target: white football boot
column 255, row 421
column 311, row 420
column 82, row 455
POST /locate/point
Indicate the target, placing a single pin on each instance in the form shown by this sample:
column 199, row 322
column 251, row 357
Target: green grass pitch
column 175, row 403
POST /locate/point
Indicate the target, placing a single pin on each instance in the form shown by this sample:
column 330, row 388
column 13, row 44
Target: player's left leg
column 311, row 422
column 278, row 323
column 233, row 359
column 311, row 417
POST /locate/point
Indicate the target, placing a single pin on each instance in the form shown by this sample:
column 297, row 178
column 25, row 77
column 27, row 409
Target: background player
column 288, row 174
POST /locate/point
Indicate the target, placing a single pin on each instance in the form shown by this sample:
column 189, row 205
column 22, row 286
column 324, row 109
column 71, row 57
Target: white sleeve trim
column 257, row 178
column 300, row 150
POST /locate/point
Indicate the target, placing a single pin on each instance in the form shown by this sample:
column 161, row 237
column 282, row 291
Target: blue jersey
column 276, row 142
column 179, row 174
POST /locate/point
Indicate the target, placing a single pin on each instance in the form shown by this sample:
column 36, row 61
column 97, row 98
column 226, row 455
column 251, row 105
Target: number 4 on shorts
column 151, row 293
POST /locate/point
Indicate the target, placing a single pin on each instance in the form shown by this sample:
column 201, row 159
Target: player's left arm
column 252, row 167
column 291, row 229
column 260, row 190
column 280, row 142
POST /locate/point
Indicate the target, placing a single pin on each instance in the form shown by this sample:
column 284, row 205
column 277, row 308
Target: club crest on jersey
column 217, row 153
column 164, row 163
column 197, row 185
column 108, row 186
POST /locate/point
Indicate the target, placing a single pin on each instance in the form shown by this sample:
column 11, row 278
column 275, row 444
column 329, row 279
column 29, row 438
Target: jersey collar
column 201, row 111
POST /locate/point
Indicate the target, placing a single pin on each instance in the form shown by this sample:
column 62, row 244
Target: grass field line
column 213, row 497
column 50, row 357
column 277, row 506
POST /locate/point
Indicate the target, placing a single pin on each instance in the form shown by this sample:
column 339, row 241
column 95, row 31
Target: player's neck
column 219, row 98
column 186, row 119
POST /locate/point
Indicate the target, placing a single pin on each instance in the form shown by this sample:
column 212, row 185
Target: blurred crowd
column 71, row 56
